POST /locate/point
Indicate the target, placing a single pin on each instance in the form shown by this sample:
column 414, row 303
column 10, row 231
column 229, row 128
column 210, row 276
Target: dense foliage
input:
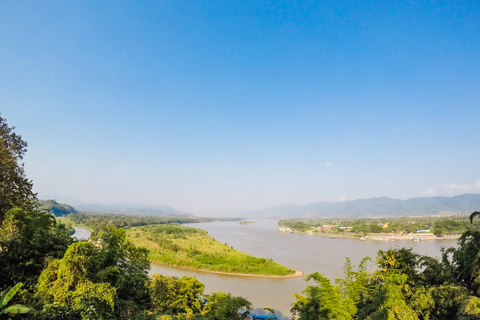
column 98, row 222
column 15, row 188
column 190, row 247
column 29, row 235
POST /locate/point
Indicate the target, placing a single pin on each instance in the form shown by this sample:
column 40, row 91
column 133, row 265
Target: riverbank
column 408, row 237
column 65, row 220
column 375, row 236
column 294, row 275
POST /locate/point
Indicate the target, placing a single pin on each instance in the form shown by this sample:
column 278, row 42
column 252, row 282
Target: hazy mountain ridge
column 60, row 209
column 57, row 209
column 133, row 209
column 373, row 207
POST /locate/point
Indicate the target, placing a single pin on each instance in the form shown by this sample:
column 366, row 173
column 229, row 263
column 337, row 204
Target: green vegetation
column 190, row 247
column 98, row 222
column 440, row 226
column 5, row 298
column 103, row 279
column 245, row 222
column 106, row 277
column 405, row 286
column 176, row 245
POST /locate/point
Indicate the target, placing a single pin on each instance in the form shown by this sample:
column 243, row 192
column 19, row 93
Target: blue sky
column 216, row 107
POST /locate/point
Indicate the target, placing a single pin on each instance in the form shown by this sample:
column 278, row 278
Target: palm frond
column 14, row 309
column 473, row 215
column 4, row 299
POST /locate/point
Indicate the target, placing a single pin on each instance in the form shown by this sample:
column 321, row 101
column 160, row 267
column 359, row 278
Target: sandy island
column 293, row 275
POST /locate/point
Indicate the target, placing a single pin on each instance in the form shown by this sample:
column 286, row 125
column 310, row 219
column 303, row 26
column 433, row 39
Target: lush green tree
column 15, row 188
column 436, row 272
column 173, row 296
column 465, row 260
column 123, row 265
column 64, row 286
column 222, row 306
column 27, row 240
column 470, row 309
column 322, row 301
column 28, row 235
column 104, row 278
column 356, row 286
column 389, row 303
column 398, row 261
column 448, row 300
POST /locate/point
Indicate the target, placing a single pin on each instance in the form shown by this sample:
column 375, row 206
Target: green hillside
column 57, row 209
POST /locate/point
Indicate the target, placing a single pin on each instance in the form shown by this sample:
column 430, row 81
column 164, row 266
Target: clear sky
column 217, row 107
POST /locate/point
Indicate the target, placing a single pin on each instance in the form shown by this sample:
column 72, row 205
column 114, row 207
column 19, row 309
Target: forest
column 44, row 274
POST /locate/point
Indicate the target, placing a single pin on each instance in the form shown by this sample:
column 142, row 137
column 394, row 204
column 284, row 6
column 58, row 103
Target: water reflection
column 81, row 233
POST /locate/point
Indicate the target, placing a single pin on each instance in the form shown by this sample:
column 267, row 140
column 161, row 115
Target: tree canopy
column 15, row 188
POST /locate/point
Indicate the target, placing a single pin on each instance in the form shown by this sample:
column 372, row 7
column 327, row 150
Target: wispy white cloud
column 463, row 187
column 430, row 191
column 329, row 164
column 454, row 186
column 342, row 198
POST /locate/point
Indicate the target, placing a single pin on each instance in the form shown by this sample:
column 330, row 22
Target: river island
column 193, row 248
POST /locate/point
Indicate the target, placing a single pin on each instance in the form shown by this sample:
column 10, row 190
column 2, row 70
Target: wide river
column 300, row 252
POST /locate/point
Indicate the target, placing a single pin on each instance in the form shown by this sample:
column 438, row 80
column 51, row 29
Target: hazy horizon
column 77, row 203
column 219, row 107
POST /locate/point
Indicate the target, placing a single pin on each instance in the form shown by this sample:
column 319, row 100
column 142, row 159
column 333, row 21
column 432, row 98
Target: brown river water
column 300, row 252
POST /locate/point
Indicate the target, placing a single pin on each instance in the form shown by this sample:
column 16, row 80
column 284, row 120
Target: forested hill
column 374, row 207
column 133, row 209
column 57, row 209
column 61, row 209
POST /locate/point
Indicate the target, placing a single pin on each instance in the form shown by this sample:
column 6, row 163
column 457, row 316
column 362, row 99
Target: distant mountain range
column 59, row 209
column 132, row 209
column 374, row 207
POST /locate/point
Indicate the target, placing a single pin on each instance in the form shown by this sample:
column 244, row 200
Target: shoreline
column 296, row 274
column 293, row 275
column 376, row 236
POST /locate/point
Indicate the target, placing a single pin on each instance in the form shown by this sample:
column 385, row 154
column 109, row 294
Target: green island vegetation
column 175, row 245
column 245, row 222
column 182, row 246
column 46, row 275
column 437, row 225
